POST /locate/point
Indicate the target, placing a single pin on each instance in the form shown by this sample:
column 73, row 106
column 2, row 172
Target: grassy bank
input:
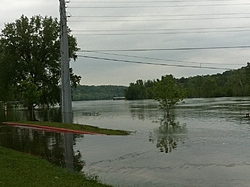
column 78, row 127
column 19, row 169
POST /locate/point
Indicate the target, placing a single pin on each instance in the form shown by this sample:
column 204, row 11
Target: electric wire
column 164, row 15
column 157, row 59
column 155, row 1
column 173, row 49
column 165, row 19
column 157, row 6
column 163, row 29
column 149, row 63
column 153, row 17
column 159, row 33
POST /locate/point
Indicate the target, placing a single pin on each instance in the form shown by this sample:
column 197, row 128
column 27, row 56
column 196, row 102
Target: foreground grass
column 19, row 169
column 87, row 128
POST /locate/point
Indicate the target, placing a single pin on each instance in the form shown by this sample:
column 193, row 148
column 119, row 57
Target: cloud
column 12, row 10
column 163, row 25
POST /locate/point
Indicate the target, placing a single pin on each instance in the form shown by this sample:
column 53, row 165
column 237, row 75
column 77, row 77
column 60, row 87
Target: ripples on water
column 205, row 144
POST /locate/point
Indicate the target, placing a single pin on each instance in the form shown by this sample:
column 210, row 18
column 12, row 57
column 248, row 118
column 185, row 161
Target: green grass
column 87, row 128
column 20, row 169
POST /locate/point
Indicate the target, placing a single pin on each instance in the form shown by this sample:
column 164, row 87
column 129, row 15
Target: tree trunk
column 31, row 115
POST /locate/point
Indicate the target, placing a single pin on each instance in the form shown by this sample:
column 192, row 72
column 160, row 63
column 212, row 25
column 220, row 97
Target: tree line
column 104, row 92
column 232, row 83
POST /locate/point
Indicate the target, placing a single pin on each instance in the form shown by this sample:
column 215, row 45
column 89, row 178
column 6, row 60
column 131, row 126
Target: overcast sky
column 121, row 39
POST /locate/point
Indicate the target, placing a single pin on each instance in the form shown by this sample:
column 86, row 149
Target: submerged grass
column 20, row 169
column 78, row 127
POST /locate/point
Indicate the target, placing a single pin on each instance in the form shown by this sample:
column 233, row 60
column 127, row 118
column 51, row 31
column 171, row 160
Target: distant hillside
column 105, row 92
column 232, row 83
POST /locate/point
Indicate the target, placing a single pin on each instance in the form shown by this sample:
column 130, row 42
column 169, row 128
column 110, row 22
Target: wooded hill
column 231, row 83
column 106, row 92
column 228, row 84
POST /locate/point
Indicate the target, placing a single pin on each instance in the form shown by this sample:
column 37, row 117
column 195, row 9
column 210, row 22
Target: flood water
column 206, row 143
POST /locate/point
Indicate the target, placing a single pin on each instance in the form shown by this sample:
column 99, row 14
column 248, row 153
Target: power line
column 155, row 1
column 122, row 18
column 165, row 19
column 162, row 15
column 161, row 29
column 173, row 49
column 160, row 33
column 157, row 59
column 157, row 6
column 149, row 63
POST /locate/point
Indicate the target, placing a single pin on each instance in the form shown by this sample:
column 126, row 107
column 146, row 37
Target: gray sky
column 110, row 32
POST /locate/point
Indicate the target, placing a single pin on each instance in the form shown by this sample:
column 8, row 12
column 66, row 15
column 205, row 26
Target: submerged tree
column 167, row 92
column 30, row 60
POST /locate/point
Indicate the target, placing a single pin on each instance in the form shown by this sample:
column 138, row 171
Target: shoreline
column 50, row 129
column 67, row 128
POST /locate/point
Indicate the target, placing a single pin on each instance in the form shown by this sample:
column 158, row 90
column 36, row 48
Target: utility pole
column 66, row 103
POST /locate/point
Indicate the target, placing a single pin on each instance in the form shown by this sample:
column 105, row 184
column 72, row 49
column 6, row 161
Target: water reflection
column 168, row 134
column 49, row 114
column 143, row 110
column 41, row 114
column 50, row 146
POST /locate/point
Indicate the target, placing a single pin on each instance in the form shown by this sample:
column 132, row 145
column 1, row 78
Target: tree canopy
column 30, row 60
column 167, row 92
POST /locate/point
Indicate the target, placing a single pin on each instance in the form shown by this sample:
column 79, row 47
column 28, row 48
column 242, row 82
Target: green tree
column 5, row 90
column 209, row 87
column 247, row 75
column 168, row 93
column 139, row 90
column 30, row 94
column 135, row 91
column 234, row 84
column 30, row 59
